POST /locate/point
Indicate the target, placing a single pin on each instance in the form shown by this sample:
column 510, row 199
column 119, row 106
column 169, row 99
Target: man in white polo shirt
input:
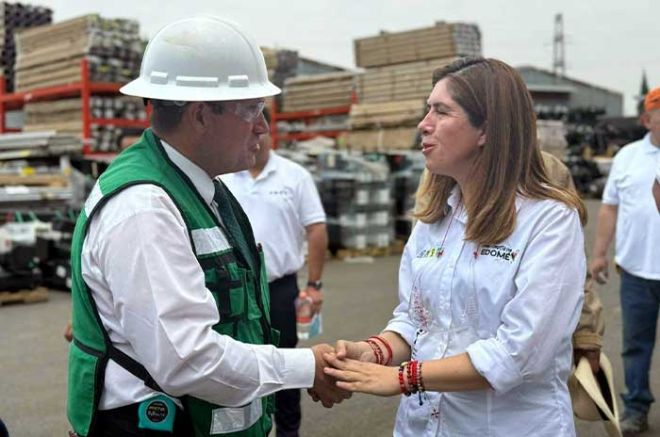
column 656, row 187
column 280, row 199
column 629, row 210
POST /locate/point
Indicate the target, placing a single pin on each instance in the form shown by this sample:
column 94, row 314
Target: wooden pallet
column 39, row 294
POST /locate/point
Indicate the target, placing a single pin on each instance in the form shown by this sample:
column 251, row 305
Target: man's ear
column 197, row 115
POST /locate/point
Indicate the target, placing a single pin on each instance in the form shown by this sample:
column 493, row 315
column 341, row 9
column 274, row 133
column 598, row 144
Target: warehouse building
column 548, row 88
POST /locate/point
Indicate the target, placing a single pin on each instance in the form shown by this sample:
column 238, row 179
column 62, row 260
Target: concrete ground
column 359, row 301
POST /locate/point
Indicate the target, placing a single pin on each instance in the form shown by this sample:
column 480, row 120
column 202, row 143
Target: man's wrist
column 316, row 285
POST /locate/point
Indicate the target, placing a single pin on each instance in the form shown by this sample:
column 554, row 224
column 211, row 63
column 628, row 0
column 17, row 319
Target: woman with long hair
column 491, row 279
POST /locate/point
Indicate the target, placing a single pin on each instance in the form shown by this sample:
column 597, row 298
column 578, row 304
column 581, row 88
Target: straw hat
column 593, row 396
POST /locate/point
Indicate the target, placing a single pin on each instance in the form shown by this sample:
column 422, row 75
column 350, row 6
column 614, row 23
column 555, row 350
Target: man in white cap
column 170, row 301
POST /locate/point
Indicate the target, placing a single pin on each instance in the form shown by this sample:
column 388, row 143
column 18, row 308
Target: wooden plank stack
column 51, row 55
column 384, row 126
column 318, row 91
column 65, row 117
column 397, row 80
column 442, row 40
column 15, row 16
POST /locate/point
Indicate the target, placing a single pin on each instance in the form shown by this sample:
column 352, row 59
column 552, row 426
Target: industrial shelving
column 305, row 116
column 84, row 88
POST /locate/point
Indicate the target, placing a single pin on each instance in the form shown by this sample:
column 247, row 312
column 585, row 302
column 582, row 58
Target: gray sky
column 609, row 42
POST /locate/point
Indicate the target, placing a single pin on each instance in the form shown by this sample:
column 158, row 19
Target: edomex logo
column 504, row 253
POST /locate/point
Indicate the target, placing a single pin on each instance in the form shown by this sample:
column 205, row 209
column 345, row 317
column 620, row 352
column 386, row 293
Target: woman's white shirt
column 512, row 307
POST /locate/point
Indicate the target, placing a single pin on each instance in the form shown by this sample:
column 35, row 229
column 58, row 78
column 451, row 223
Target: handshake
column 350, row 367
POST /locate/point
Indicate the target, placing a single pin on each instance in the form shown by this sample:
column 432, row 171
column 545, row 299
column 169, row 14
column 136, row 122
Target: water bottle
column 304, row 315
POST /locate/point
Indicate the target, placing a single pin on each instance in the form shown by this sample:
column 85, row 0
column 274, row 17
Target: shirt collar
column 270, row 167
column 200, row 179
column 648, row 145
column 453, row 202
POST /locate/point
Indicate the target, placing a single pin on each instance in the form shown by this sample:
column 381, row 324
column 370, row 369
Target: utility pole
column 558, row 48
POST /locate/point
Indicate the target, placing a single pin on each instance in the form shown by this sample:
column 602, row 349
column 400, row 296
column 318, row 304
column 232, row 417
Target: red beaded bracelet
column 409, row 379
column 414, row 384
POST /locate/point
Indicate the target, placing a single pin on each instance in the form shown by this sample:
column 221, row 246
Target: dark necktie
column 221, row 198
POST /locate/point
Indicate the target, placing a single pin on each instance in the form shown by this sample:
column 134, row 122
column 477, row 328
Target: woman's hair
column 495, row 99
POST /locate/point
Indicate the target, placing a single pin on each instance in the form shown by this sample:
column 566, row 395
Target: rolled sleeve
column 538, row 322
column 493, row 361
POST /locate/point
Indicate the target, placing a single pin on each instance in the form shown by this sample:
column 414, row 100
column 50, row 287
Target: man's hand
column 598, row 269
column 593, row 356
column 355, row 350
column 325, row 388
column 68, row 332
column 317, row 298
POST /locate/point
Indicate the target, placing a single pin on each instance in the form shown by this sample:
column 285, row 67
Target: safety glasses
column 248, row 110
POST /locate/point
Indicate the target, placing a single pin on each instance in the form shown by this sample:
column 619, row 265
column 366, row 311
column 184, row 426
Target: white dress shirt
column 512, row 307
column 280, row 202
column 150, row 293
column 637, row 226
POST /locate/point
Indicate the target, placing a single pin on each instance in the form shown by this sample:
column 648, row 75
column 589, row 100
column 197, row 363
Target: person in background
column 171, row 329
column 656, row 187
column 628, row 212
column 491, row 279
column 283, row 205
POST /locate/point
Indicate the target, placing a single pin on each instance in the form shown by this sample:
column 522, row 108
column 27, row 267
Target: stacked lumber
column 380, row 140
column 51, row 55
column 15, row 16
column 65, row 117
column 390, row 114
column 439, row 41
column 399, row 82
column 303, row 93
column 384, row 126
column 398, row 79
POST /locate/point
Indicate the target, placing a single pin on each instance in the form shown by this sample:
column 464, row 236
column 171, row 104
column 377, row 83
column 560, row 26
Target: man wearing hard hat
column 170, row 304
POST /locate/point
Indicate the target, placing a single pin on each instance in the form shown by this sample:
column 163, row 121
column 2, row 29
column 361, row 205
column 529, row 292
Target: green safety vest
column 240, row 292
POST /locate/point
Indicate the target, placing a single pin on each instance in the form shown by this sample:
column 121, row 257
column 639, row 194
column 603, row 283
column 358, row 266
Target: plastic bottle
column 304, row 313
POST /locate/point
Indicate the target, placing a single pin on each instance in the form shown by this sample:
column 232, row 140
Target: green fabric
column 221, row 197
column 238, row 287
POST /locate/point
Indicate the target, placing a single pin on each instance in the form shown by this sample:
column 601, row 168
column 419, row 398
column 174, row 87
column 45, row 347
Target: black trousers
column 283, row 293
column 124, row 422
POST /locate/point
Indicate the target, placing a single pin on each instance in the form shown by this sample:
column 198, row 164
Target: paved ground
column 360, row 298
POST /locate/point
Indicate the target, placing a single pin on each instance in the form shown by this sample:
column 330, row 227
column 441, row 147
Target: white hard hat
column 203, row 58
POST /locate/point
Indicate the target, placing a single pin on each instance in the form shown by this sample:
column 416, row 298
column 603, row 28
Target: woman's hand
column 356, row 376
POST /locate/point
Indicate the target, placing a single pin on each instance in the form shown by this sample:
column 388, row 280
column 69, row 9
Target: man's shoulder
column 629, row 151
column 289, row 168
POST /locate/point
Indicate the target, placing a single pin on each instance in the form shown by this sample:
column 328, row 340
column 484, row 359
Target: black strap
column 135, row 368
